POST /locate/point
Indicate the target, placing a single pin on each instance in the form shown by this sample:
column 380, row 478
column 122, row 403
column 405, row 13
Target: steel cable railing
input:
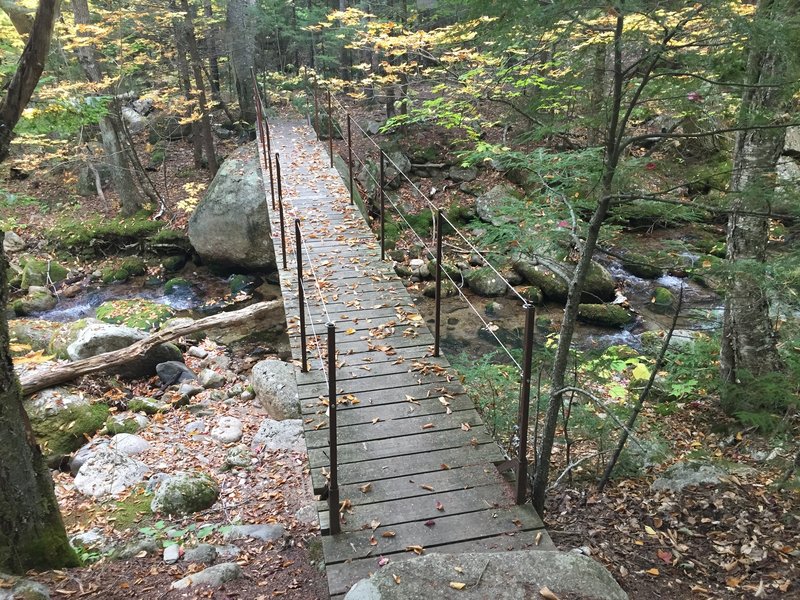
column 524, row 369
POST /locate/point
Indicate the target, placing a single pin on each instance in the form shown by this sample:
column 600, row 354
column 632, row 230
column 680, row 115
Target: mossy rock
column 598, row 287
column 606, row 315
column 241, row 283
column 485, row 282
column 41, row 272
column 662, row 300
column 176, row 285
column 147, row 406
column 134, row 266
column 448, row 289
column 68, row 430
column 174, row 263
column 115, row 425
column 459, row 215
column 136, row 313
column 642, row 266
column 113, row 275
column 710, row 272
column 550, row 284
column 37, row 300
column 185, row 493
column 449, row 269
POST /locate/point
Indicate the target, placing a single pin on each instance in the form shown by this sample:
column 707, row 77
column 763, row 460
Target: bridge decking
column 416, row 465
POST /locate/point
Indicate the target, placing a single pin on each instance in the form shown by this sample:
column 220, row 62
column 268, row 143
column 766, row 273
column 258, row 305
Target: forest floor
column 735, row 538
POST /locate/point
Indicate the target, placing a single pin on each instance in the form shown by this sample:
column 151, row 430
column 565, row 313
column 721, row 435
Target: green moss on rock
column 642, row 266
column 147, row 406
column 41, row 272
column 114, row 425
column 662, row 300
column 95, row 236
column 186, row 493
column 607, row 315
column 175, row 284
column 69, row 429
column 136, row 313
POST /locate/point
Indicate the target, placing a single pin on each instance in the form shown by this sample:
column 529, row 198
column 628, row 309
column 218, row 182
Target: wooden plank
column 424, row 441
column 379, row 369
column 400, row 410
column 374, row 397
column 342, row 576
column 449, row 529
column 388, row 382
column 387, row 468
column 392, row 428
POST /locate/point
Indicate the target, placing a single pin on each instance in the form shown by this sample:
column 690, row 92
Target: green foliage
column 764, row 401
column 63, row 117
column 691, row 369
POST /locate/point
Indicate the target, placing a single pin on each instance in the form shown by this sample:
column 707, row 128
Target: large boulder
column 98, row 338
column 136, row 313
column 485, row 282
column 39, row 299
column 553, row 277
column 42, row 272
column 230, row 227
column 50, row 402
column 185, row 493
column 67, row 430
column 493, row 206
column 275, row 386
column 108, row 472
column 279, row 435
column 501, row 576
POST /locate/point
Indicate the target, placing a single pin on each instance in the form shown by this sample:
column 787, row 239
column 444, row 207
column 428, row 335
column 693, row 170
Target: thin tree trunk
column 748, row 340
column 197, row 70
column 242, row 44
column 29, row 69
column 213, row 59
column 130, row 198
column 32, row 534
column 186, row 84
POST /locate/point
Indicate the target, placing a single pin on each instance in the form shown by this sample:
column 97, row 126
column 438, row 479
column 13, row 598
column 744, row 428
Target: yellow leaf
column 650, row 531
column 34, row 358
column 388, row 534
column 653, row 571
column 640, row 373
column 350, row 331
column 415, row 549
column 457, row 585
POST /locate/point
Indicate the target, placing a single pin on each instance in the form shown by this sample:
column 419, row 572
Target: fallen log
column 35, row 381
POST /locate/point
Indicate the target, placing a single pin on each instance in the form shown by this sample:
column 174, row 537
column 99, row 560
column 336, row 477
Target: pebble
column 197, row 352
column 172, row 554
column 196, row 427
column 210, row 379
column 203, row 553
column 247, row 396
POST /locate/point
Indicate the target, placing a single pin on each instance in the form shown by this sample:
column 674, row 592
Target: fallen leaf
column 396, row 578
column 388, row 534
column 428, row 426
column 430, row 523
column 457, row 585
column 665, row 555
column 654, row 572
column 650, row 531
column 426, row 487
column 367, row 487
column 466, row 426
column 439, row 506
column 375, row 524
column 373, row 541
column 383, row 561
column 546, row 593
column 415, row 549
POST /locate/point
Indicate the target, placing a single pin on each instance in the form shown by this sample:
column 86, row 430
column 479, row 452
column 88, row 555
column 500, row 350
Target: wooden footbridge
column 410, row 465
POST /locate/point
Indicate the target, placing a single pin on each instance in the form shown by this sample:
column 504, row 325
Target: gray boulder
column 23, row 589
column 108, row 473
column 227, row 430
column 185, row 493
column 230, row 227
column 84, row 453
column 129, row 444
column 202, row 553
column 485, row 282
column 500, row 576
column 214, row 577
column 174, row 371
column 397, row 164
column 275, row 386
column 52, row 401
column 684, row 474
column 98, row 338
column 136, row 123
column 239, row 457
column 462, row 174
column 210, row 379
column 492, row 205
column 279, row 435
column 264, row 533
column 791, row 144
column 12, row 242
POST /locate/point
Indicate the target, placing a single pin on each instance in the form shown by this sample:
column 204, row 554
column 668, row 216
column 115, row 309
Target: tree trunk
column 32, row 534
column 29, row 69
column 197, row 70
column 213, row 57
column 186, row 84
column 748, row 339
column 21, row 16
column 242, row 44
column 114, row 147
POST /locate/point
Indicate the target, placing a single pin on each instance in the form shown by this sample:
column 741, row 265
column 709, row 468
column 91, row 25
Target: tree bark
column 114, row 146
column 213, row 56
column 197, row 70
column 749, row 342
column 29, row 69
column 186, row 84
column 35, row 381
column 242, row 44
column 32, row 534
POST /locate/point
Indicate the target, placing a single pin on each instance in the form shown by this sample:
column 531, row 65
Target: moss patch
column 607, row 315
column 98, row 235
column 41, row 272
column 147, row 406
column 176, row 284
column 115, row 425
column 68, row 430
column 137, row 313
column 662, row 300
column 132, row 510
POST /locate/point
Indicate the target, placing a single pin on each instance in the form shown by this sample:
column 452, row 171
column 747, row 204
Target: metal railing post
column 383, row 209
column 269, row 162
column 333, row 485
column 301, row 295
column 524, row 405
column 437, row 327
column 316, row 112
column 280, row 208
column 330, row 127
column 350, row 160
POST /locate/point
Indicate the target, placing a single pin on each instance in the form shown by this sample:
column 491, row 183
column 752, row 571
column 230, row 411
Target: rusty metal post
column 316, row 112
column 269, row 162
column 524, row 405
column 350, row 160
column 437, row 327
column 333, row 485
column 330, row 127
column 301, row 295
column 383, row 209
column 280, row 208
